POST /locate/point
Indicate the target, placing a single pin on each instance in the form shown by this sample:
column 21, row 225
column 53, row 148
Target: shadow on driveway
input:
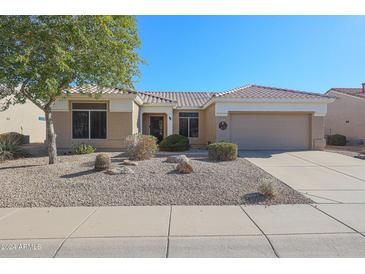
column 262, row 153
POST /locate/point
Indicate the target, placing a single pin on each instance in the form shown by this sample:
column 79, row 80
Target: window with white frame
column 89, row 120
column 189, row 124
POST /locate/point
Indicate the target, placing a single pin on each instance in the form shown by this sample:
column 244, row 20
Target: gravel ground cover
column 73, row 182
column 351, row 151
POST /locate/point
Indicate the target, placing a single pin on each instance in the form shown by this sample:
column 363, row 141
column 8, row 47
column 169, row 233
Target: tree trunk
column 51, row 137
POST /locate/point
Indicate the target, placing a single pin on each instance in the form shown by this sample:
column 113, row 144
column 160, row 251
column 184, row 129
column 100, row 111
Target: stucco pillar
column 140, row 121
column 170, row 119
column 222, row 134
column 318, row 140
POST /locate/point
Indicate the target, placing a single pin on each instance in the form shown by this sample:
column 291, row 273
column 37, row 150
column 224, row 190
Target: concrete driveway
column 325, row 177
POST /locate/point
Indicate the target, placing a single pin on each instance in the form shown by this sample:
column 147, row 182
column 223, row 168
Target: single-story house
column 346, row 115
column 254, row 117
column 26, row 119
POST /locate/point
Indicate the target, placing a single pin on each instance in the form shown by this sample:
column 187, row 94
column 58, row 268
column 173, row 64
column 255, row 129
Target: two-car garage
column 267, row 118
column 270, row 131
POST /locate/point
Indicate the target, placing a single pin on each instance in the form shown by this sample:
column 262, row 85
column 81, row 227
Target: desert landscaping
column 31, row 182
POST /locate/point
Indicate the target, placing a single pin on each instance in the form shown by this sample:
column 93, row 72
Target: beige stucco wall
column 135, row 118
column 346, row 108
column 222, row 135
column 24, row 118
column 317, row 132
column 119, row 126
column 210, row 123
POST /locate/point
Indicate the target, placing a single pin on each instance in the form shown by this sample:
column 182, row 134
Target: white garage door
column 270, row 131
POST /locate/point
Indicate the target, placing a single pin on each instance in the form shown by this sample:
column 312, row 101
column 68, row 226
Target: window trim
column 188, row 118
column 89, row 111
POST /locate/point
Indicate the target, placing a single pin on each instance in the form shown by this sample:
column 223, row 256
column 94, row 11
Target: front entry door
column 156, row 127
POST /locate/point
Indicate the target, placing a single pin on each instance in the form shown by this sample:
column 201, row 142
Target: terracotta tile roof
column 262, row 92
column 357, row 92
column 95, row 90
column 199, row 99
column 183, row 99
column 152, row 98
column 147, row 98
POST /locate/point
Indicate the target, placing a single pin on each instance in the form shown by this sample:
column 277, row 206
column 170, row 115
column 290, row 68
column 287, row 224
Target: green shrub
column 222, row 151
column 175, row 142
column 17, row 138
column 336, row 140
column 141, row 147
column 10, row 148
column 84, row 149
column 102, row 162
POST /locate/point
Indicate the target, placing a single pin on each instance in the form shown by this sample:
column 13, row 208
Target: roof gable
column 264, row 92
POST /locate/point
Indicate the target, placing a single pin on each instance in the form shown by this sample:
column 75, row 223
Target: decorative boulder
column 184, row 167
column 126, row 170
column 112, row 171
column 129, row 163
column 119, row 170
column 177, row 159
column 102, row 162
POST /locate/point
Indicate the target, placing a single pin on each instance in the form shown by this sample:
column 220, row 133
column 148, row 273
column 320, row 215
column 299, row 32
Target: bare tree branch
column 28, row 96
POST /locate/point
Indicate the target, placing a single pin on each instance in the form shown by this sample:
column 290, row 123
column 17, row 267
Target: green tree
column 41, row 56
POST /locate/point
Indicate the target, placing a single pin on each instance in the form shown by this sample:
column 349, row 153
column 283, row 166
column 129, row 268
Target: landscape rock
column 184, row 167
column 129, row 163
column 177, row 159
column 119, row 170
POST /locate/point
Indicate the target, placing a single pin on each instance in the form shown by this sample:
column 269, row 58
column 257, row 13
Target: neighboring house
column 254, row 117
column 346, row 115
column 26, row 119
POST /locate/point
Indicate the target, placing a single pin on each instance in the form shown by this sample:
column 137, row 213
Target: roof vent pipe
column 363, row 87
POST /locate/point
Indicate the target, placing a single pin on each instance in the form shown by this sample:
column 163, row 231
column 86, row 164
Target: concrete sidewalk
column 184, row 231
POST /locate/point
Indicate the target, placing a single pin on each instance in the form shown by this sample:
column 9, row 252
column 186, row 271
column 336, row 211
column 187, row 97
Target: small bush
column 15, row 137
column 175, row 142
column 102, row 162
column 141, row 147
column 336, row 140
column 222, row 152
column 84, row 149
column 10, row 148
column 266, row 187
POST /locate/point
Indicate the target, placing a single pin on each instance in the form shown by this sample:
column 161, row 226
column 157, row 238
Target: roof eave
column 275, row 100
column 101, row 95
column 173, row 105
column 189, row 107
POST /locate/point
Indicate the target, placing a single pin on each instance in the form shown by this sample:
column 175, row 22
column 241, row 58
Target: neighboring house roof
column 263, row 92
column 199, row 99
column 183, row 99
column 357, row 92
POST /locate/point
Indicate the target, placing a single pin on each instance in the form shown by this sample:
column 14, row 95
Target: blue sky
column 216, row 53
